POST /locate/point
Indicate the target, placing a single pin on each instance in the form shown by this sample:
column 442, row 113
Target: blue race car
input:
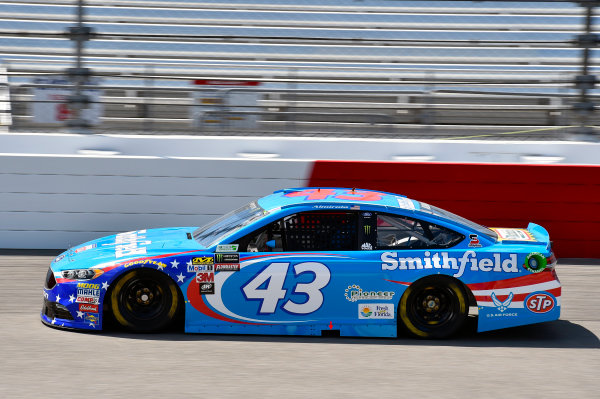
column 311, row 261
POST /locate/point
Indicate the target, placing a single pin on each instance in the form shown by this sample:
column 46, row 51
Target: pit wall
column 57, row 191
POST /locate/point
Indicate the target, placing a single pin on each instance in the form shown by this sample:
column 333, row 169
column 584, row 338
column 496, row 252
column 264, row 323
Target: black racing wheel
column 434, row 307
column 144, row 300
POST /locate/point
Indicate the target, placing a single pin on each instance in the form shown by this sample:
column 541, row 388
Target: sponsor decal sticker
column 87, row 307
column 470, row 260
column 502, row 305
column 355, row 293
column 405, row 203
column 376, row 311
column 228, row 248
column 59, row 258
column 207, row 288
column 200, row 268
column 88, row 299
column 514, row 234
column 88, row 293
column 227, row 262
column 474, row 243
column 227, row 267
column 131, row 243
column 205, row 277
column 145, row 262
column 227, row 258
column 366, row 246
column 535, row 262
column 203, row 260
column 81, row 249
column 91, row 318
column 540, row 302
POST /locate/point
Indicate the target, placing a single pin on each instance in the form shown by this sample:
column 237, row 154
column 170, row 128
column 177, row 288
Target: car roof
column 335, row 196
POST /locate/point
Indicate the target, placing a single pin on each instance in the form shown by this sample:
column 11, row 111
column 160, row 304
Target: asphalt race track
column 553, row 360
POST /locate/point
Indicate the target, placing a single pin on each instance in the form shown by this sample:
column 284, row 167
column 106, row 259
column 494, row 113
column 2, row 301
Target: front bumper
column 61, row 309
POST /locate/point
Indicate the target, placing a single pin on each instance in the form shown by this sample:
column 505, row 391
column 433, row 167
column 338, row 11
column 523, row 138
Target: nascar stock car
column 311, row 261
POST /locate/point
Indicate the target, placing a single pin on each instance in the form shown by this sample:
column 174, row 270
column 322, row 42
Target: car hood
column 121, row 247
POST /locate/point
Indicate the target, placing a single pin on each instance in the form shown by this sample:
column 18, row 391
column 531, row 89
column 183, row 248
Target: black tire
column 144, row 301
column 433, row 307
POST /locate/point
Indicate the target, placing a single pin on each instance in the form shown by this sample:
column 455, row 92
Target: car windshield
column 434, row 210
column 213, row 232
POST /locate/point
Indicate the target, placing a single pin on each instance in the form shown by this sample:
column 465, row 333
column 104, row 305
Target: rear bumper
column 529, row 299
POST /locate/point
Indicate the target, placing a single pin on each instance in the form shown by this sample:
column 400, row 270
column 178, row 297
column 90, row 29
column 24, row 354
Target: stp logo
column 539, row 303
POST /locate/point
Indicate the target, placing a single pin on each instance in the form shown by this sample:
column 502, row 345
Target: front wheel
column 144, row 301
column 434, row 307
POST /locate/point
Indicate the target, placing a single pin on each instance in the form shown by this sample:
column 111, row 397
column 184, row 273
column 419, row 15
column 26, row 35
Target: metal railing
column 525, row 66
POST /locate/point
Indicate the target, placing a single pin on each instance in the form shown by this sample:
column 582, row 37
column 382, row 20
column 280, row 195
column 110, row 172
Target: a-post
column 78, row 74
column 584, row 108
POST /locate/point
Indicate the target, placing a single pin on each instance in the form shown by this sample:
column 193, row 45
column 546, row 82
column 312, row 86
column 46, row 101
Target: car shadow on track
column 555, row 334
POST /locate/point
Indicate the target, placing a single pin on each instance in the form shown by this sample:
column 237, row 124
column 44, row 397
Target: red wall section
column 565, row 199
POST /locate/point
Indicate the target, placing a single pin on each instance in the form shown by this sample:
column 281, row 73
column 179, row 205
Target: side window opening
column 266, row 239
column 401, row 232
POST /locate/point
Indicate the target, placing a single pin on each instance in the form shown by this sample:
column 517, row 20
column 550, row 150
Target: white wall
column 60, row 190
column 310, row 148
column 59, row 201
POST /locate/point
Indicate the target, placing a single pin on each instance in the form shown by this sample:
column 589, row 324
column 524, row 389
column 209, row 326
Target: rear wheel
column 434, row 307
column 144, row 301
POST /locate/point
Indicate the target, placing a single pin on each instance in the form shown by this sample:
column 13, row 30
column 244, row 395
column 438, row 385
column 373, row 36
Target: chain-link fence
column 331, row 67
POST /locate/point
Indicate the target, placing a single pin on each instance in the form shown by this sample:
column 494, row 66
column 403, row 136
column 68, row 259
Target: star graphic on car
column 105, row 285
column 57, row 297
column 180, row 278
column 174, row 264
column 79, row 314
column 71, row 298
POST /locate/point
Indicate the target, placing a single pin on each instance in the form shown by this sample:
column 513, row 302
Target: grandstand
column 370, row 67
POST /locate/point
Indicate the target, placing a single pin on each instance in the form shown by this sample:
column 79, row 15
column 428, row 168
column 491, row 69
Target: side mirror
column 270, row 244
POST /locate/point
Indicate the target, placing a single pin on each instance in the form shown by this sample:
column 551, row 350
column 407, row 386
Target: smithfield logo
column 355, row 293
column 391, row 261
column 540, row 302
column 502, row 305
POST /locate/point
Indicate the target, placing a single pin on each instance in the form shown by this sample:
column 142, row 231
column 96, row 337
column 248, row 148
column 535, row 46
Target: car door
column 297, row 273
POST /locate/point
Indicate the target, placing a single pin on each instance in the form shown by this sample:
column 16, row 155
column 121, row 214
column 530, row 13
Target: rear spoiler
column 533, row 235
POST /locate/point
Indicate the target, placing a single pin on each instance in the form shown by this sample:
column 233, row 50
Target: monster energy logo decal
column 227, row 258
column 367, row 229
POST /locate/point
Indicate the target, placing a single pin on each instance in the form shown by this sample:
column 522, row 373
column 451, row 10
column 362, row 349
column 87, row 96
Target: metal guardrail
column 508, row 79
